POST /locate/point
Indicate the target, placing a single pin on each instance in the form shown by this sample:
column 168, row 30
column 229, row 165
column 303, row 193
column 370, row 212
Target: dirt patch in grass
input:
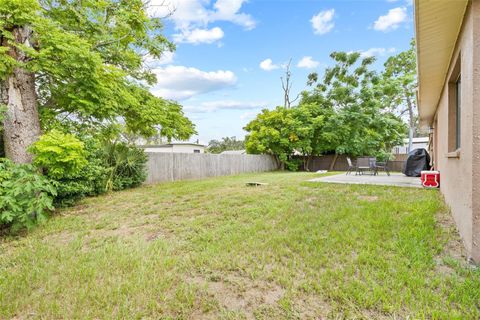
column 454, row 248
column 368, row 198
column 251, row 298
column 62, row 238
column 238, row 294
column 311, row 307
column 159, row 234
column 78, row 209
column 124, row 231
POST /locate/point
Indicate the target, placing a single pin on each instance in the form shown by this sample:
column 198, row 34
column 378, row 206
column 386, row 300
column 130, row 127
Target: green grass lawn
column 217, row 249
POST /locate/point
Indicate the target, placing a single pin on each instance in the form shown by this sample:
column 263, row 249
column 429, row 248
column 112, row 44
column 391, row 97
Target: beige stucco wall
column 461, row 193
column 476, row 132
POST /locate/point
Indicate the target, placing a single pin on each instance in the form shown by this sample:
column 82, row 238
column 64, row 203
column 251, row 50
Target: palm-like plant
column 126, row 163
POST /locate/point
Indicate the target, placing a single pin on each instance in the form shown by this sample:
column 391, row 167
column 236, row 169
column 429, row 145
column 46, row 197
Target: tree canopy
column 276, row 132
column 343, row 113
column 400, row 85
column 227, row 143
column 363, row 125
column 86, row 61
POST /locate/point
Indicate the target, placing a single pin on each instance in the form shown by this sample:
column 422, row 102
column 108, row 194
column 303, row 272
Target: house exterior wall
column 476, row 132
column 175, row 148
column 187, row 148
column 460, row 171
column 158, row 150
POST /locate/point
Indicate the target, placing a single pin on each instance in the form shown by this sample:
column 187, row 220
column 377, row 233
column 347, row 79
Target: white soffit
column 437, row 26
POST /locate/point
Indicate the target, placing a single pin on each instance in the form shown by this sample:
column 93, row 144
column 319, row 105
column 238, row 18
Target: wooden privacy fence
column 184, row 166
column 324, row 162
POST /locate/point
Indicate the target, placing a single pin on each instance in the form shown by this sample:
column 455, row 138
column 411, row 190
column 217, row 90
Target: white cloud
column 391, row 20
column 308, row 63
column 179, row 82
column 376, row 52
column 228, row 10
column 183, row 13
column 323, row 22
column 197, row 36
column 188, row 15
column 211, row 106
column 268, row 65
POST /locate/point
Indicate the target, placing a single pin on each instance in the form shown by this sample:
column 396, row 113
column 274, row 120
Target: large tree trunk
column 21, row 124
column 280, row 163
column 306, row 162
column 334, row 161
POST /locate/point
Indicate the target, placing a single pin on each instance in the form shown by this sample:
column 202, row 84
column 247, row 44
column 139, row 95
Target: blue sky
column 231, row 53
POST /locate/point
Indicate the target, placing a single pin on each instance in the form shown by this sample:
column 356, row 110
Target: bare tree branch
column 287, row 86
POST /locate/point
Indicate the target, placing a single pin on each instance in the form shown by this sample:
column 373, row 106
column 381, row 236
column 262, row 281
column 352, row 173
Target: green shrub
column 75, row 166
column 25, row 195
column 92, row 181
column 85, row 167
column 127, row 165
column 110, row 166
column 59, row 154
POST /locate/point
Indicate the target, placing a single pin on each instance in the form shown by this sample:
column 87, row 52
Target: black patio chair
column 363, row 164
column 382, row 166
column 351, row 166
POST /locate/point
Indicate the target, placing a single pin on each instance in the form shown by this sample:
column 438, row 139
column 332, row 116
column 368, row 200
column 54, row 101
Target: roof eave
column 434, row 33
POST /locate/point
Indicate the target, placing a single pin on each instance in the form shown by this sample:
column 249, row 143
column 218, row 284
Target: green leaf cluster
column 84, row 166
column 91, row 180
column 88, row 59
column 25, row 195
column 360, row 124
column 59, row 154
column 279, row 132
column 149, row 115
column 399, row 84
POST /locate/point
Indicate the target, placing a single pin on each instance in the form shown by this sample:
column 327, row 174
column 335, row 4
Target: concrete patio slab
column 395, row 179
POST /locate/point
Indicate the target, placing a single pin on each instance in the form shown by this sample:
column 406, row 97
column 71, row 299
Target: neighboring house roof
column 155, row 146
column 169, row 145
column 437, row 26
column 234, row 152
column 418, row 140
column 417, row 143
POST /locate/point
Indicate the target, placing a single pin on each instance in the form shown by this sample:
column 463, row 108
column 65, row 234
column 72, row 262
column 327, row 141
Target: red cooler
column 430, row 179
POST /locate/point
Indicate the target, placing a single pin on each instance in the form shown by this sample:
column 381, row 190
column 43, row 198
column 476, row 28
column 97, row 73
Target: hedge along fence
column 184, row 166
